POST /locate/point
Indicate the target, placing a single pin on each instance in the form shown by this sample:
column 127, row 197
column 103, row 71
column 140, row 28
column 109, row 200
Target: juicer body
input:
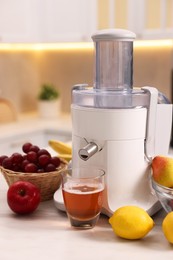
column 120, row 135
column 119, row 128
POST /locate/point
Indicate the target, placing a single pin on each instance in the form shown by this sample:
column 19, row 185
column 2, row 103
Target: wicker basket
column 47, row 182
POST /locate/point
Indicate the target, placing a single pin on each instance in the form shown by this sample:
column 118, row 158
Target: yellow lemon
column 167, row 227
column 131, row 222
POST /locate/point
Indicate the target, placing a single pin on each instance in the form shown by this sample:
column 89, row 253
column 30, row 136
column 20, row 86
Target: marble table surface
column 46, row 234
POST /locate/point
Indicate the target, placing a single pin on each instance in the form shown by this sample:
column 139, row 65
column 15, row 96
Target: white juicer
column 119, row 128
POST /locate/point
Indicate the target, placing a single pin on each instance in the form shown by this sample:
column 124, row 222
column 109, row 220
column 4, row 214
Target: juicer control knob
column 88, row 151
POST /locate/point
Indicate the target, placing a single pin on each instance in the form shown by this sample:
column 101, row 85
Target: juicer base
column 59, row 204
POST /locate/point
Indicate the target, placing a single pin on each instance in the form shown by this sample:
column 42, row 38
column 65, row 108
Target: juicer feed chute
column 117, row 127
column 114, row 59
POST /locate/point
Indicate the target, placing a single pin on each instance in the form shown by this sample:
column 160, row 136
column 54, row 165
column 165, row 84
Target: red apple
column 23, row 197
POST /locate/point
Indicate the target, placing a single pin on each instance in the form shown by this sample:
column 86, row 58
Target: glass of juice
column 82, row 190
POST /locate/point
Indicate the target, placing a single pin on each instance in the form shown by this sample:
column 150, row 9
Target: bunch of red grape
column 33, row 160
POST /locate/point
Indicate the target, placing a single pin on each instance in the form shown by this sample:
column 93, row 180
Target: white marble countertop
column 30, row 121
column 31, row 128
column 46, row 234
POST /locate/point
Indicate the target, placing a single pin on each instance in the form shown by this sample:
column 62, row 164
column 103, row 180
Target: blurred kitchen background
column 45, row 41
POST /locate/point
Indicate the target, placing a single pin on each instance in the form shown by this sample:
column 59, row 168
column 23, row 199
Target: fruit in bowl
column 162, row 180
column 33, row 160
column 163, row 170
column 35, row 165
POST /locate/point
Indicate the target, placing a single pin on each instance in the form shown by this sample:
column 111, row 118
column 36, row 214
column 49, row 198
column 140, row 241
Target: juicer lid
column 113, row 34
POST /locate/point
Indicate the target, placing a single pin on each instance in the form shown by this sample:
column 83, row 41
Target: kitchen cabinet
column 148, row 19
column 46, row 20
column 155, row 19
column 64, row 20
column 18, row 21
column 75, row 21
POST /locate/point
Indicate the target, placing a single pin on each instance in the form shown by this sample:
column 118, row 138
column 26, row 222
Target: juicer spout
column 88, row 151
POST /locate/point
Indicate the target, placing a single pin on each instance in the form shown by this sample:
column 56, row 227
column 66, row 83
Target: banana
column 64, row 156
column 60, row 147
